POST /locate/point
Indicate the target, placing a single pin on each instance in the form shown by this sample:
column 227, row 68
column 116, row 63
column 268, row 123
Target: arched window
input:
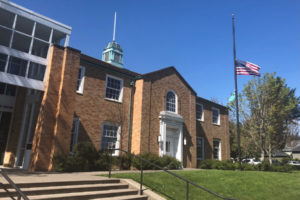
column 171, row 101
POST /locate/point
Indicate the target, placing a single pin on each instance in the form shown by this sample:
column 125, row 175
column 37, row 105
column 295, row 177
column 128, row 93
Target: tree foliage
column 268, row 108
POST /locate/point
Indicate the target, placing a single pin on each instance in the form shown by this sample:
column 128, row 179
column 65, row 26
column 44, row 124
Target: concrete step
column 62, row 183
column 128, row 197
column 86, row 195
column 65, row 189
column 104, row 189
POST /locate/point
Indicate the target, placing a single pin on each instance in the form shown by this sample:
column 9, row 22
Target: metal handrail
column 165, row 170
column 19, row 192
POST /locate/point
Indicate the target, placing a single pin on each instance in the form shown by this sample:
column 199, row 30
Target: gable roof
column 211, row 102
column 171, row 68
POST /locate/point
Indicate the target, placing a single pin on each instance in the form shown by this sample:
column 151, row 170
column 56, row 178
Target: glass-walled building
column 25, row 39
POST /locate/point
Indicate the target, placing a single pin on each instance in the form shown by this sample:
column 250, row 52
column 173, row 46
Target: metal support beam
column 67, row 41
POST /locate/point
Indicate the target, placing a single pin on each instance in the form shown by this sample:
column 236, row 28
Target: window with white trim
column 199, row 112
column 114, row 88
column 217, row 149
column 80, row 80
column 200, row 148
column 216, row 116
column 110, row 137
column 171, row 101
column 74, row 136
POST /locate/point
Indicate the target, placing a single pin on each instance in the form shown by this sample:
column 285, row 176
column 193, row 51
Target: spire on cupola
column 113, row 52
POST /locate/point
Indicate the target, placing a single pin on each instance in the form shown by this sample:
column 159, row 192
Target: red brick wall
column 53, row 128
column 61, row 102
column 93, row 108
column 155, row 88
column 210, row 131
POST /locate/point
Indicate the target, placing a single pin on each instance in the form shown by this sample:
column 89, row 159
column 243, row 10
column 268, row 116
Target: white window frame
column 219, row 117
column 121, row 88
column 202, row 116
column 219, row 153
column 200, row 157
column 80, row 80
column 176, row 101
column 116, row 153
column 74, row 135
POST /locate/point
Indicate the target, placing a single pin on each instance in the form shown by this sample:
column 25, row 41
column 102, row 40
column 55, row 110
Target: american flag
column 246, row 68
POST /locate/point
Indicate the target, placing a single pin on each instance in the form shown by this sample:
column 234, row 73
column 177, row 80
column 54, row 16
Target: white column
column 180, row 143
column 164, row 137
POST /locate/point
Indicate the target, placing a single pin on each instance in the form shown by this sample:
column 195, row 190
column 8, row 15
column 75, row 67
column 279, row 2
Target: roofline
column 30, row 12
column 173, row 68
column 203, row 99
column 107, row 66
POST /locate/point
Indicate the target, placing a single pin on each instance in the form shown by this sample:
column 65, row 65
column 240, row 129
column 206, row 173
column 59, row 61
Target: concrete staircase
column 104, row 189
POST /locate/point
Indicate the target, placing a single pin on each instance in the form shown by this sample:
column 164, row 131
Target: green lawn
column 231, row 184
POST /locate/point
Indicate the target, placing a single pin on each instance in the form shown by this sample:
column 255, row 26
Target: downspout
column 132, row 83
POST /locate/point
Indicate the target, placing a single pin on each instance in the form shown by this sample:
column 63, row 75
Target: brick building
column 80, row 98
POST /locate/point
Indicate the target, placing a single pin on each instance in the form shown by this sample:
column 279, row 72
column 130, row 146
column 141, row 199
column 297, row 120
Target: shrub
column 84, row 158
column 169, row 162
column 165, row 162
column 217, row 164
column 206, row 164
column 228, row 165
column 124, row 161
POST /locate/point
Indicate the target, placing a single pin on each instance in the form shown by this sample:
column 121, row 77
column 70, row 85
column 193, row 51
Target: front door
column 4, row 128
column 172, row 138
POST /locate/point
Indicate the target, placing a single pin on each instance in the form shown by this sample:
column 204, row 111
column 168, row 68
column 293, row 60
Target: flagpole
column 236, row 95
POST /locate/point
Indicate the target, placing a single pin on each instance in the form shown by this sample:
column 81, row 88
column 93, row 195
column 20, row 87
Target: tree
column 272, row 107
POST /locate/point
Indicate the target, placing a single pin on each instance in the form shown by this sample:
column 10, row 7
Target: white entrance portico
column 171, row 135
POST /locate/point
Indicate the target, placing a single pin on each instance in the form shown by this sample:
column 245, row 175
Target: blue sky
column 193, row 36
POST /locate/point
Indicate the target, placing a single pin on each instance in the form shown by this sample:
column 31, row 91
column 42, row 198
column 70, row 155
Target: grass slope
column 242, row 185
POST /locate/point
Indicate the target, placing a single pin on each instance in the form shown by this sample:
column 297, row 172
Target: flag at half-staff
column 246, row 68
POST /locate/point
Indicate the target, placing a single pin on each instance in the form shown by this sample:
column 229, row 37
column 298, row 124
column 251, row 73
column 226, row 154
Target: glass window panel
column 2, row 88
column 113, row 88
column 42, row 32
column 216, row 149
column 199, row 111
column 106, row 56
column 21, row 42
column 40, row 48
column 36, row 71
column 3, row 59
column 74, row 133
column 171, row 102
column 5, row 36
column 10, row 90
column 17, row 66
column 200, row 148
column 168, row 146
column 215, row 116
column 24, row 25
column 6, row 18
column 117, row 57
column 109, row 136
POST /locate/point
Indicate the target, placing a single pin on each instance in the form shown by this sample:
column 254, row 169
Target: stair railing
column 12, row 184
column 188, row 182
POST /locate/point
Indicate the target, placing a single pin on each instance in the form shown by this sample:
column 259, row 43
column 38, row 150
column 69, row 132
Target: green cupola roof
column 113, row 53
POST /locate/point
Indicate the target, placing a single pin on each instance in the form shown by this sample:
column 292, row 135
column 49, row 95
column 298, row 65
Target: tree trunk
column 270, row 153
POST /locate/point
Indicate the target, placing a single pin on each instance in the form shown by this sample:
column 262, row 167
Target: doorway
column 172, row 138
column 5, row 118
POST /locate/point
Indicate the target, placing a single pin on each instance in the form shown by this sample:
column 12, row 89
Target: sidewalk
column 23, row 176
